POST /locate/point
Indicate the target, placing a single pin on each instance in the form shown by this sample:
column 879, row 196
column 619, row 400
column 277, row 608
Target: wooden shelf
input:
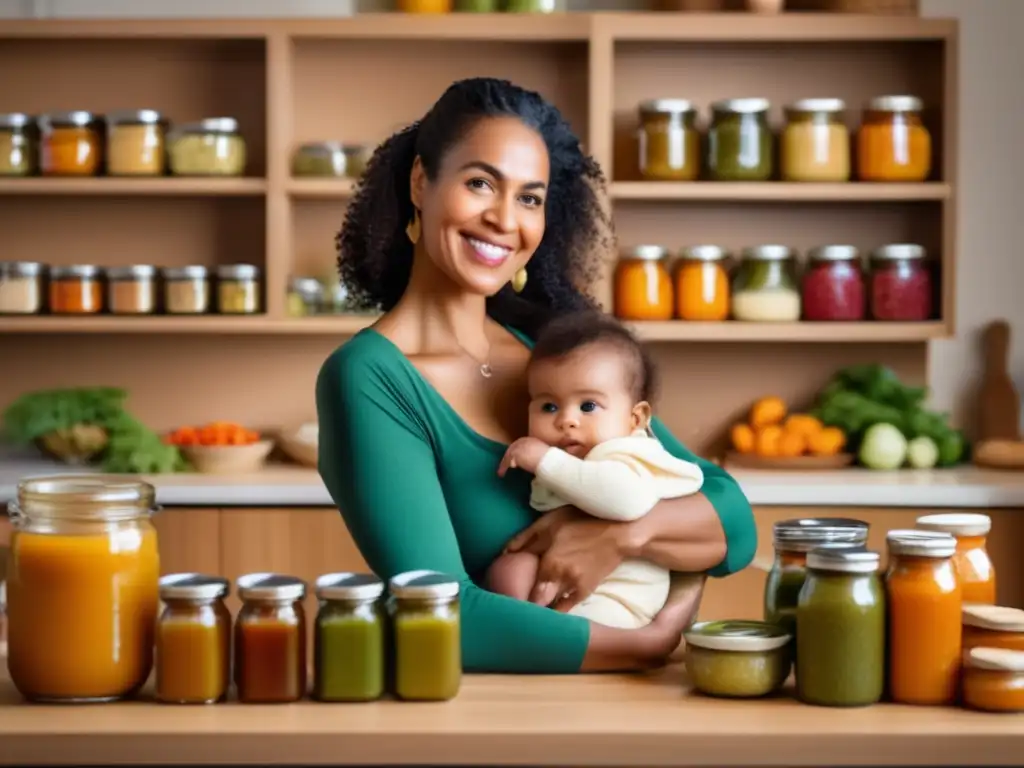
column 177, row 186
column 327, row 189
column 677, row 330
column 779, row 192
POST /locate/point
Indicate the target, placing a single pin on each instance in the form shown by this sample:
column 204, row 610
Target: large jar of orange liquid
column 82, row 588
column 973, row 565
column 643, row 286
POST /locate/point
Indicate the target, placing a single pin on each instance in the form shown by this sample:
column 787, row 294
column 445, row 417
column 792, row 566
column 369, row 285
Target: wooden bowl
column 228, row 459
column 799, row 463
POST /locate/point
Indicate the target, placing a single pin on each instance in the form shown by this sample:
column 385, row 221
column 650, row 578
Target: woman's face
column 482, row 218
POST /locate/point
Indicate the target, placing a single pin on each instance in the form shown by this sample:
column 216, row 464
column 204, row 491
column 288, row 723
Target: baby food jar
column 427, row 636
column 76, row 289
column 669, row 140
column 643, row 286
column 765, row 288
column 135, row 143
column 993, row 680
column 186, row 290
column 238, row 289
column 974, row 567
column 349, row 641
column 18, row 145
column 212, row 147
column 21, row 287
column 330, row 159
column 893, row 143
column 740, row 141
column 993, row 626
column 702, row 284
column 70, row 144
column 834, row 288
column 131, row 290
column 815, row 142
column 900, row 284
column 270, row 639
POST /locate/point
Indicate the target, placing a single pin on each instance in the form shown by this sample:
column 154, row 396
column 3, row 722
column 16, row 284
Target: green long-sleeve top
column 418, row 489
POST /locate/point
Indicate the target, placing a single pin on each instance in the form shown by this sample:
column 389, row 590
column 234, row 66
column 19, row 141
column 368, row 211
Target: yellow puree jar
column 815, row 142
column 135, row 143
column 669, row 140
column 427, row 636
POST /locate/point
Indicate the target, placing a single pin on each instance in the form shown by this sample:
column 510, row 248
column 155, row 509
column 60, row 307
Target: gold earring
column 519, row 280
column 412, row 229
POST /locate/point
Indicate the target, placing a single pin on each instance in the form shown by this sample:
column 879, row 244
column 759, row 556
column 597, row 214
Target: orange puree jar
column 643, row 286
column 994, row 680
column 70, row 144
column 270, row 639
column 993, row 626
column 893, row 143
column 702, row 284
column 973, row 565
column 82, row 588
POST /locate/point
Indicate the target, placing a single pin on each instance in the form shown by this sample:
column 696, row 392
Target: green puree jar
column 740, row 141
column 349, row 638
column 427, row 636
column 840, row 619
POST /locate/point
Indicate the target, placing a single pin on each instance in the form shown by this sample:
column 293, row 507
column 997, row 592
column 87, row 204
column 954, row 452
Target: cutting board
column 998, row 401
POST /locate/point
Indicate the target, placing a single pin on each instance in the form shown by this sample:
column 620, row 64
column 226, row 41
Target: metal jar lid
column 815, row 107
column 805, row 534
column 238, row 272
column 745, row 106
column 916, row 543
column 191, row 272
column 667, row 107
column 737, row 635
column 349, row 586
column 647, row 253
column 84, row 497
column 995, row 618
column 131, row 272
column 15, row 120
column 77, row 118
column 423, row 585
column 704, row 253
column 223, row 125
column 895, row 104
column 840, row 559
column 965, row 524
column 193, row 586
column 832, row 253
column 995, row 659
column 21, row 268
column 270, row 586
column 768, row 252
column 899, row 252
column 306, row 286
column 331, row 148
column 135, row 117
column 75, row 270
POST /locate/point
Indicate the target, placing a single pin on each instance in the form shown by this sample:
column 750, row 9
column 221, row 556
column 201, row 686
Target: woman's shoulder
column 367, row 357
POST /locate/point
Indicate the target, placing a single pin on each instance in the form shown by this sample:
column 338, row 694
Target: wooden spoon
column 998, row 402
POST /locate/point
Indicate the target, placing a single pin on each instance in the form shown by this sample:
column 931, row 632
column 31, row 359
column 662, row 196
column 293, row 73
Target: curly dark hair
column 375, row 256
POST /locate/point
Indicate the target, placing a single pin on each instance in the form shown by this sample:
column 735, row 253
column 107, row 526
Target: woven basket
column 874, row 7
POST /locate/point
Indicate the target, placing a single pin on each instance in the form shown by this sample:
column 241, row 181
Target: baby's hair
column 569, row 333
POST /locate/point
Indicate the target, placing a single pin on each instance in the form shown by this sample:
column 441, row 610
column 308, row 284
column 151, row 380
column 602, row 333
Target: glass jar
column 534, row 6
column 82, row 588
column 19, row 148
column 135, row 143
column 477, row 6
column 974, row 567
column 349, row 640
column 643, row 286
column 925, row 618
column 76, row 290
column 765, row 287
column 993, row 680
column 212, row 147
column 840, row 642
column 21, row 287
column 70, row 144
column 993, row 626
column 893, row 144
column 815, row 143
column 305, row 296
column 330, row 159
column 270, row 639
column 834, row 288
column 792, row 540
column 427, row 636
column 193, row 640
column 669, row 140
column 131, row 290
column 740, row 141
column 900, row 284
column 425, row 6
column 738, row 659
column 238, row 289
column 702, row 284
column 186, row 290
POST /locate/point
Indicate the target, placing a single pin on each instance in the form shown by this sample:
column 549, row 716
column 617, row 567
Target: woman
column 489, row 188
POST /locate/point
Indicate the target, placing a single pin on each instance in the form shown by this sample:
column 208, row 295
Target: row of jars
column 28, row 288
column 767, row 284
column 481, row 6
column 133, row 143
column 892, row 142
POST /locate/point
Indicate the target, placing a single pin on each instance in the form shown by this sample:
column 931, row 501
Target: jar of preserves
column 993, row 680
column 974, row 567
column 135, row 143
column 212, row 147
column 740, row 141
column 669, row 140
column 738, row 659
column 765, row 288
column 76, row 290
column 19, row 147
column 238, row 289
column 193, row 640
column 305, row 296
column 70, row 144
column 643, row 286
column 427, row 636
column 270, row 639
column 21, row 287
column 330, row 159
column 993, row 626
column 186, row 290
column 834, row 288
column 702, row 283
column 900, row 284
column 925, row 610
column 82, row 590
column 893, row 143
column 425, row 6
column 840, row 619
column 815, row 143
column 131, row 290
column 349, row 640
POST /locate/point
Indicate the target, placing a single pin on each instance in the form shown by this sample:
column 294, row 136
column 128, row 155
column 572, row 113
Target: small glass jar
column 186, row 290
column 305, row 296
column 993, row 680
column 21, row 287
column 815, row 144
column 993, row 626
column 740, row 141
column 900, row 284
column 19, row 147
column 425, row 6
column 765, row 287
column 70, row 144
column 76, row 290
column 270, row 639
column 238, row 289
column 643, row 286
column 193, row 640
column 669, row 140
column 427, row 636
column 131, row 290
column 834, row 288
column 702, row 284
column 974, row 567
column 330, row 159
column 893, row 143
column 135, row 143
column 212, row 147
column 82, row 595
column 349, row 641
column 533, row 6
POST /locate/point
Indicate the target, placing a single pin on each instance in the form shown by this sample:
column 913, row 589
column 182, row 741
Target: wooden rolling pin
column 998, row 402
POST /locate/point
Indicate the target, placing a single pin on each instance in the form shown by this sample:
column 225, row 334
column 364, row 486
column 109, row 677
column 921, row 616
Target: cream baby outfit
column 620, row 479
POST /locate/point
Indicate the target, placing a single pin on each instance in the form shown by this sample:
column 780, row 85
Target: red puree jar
column 901, row 284
column 833, row 284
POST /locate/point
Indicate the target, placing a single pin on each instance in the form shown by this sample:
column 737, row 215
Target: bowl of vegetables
column 222, row 447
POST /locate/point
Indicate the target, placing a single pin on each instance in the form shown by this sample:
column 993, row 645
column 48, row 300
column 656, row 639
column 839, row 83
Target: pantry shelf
column 206, row 324
column 678, row 330
column 321, row 189
column 782, row 192
column 197, row 187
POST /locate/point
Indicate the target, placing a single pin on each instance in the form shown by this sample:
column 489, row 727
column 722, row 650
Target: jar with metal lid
column 131, row 290
column 70, row 144
column 993, row 626
column 925, row 618
column 19, row 145
column 193, row 640
column 82, row 591
column 135, row 143
column 186, row 290
column 270, row 639
column 76, row 290
column 738, row 659
column 305, row 296
column 426, row 635
column 643, row 286
column 893, row 143
column 212, row 147
column 834, row 288
column 349, row 641
column 330, row 159
column 702, row 283
column 21, row 287
column 669, row 140
column 740, row 141
column 900, row 284
column 765, row 287
column 974, row 567
column 815, row 143
column 993, row 680
column 238, row 289
column 840, row 620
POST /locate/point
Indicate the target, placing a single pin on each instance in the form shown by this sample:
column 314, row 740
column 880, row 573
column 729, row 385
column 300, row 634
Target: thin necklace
column 485, row 366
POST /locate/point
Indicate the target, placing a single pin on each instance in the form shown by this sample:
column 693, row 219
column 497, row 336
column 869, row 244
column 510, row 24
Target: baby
column 589, row 445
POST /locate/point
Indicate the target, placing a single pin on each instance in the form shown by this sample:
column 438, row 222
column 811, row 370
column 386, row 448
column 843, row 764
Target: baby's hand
column 525, row 453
